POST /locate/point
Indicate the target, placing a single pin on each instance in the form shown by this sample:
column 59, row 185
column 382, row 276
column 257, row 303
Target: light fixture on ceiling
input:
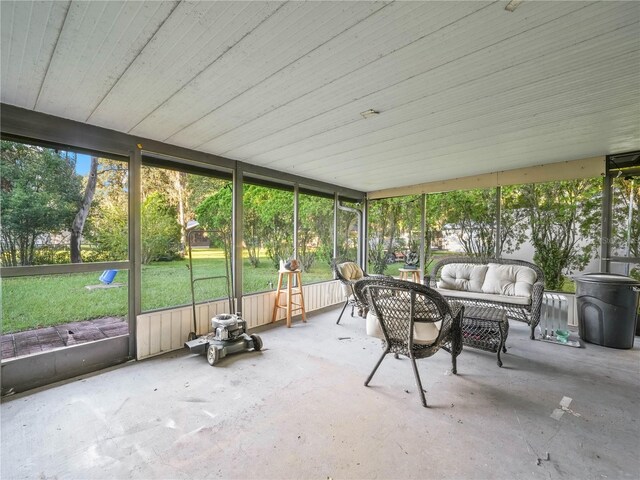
column 369, row 113
column 512, row 5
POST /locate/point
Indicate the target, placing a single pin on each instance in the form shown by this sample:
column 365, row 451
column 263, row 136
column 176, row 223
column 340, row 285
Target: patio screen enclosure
column 267, row 216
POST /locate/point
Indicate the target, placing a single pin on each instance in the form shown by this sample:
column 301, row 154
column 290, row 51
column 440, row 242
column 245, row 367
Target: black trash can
column 607, row 309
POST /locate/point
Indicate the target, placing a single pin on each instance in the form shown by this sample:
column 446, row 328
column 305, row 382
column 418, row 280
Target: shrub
column 160, row 230
column 108, row 233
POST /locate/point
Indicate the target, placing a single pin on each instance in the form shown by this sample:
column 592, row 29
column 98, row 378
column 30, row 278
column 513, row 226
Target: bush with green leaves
column 108, row 233
column 214, row 214
column 269, row 221
column 564, row 221
column 470, row 215
column 160, row 229
column 315, row 232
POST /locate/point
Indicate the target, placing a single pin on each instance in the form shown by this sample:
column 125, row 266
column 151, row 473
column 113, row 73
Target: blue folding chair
column 108, row 276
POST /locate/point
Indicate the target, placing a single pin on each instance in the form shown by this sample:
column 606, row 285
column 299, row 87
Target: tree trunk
column 81, row 217
column 32, row 250
column 179, row 183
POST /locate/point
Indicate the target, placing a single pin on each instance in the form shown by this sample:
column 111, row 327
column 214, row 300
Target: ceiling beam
column 569, row 170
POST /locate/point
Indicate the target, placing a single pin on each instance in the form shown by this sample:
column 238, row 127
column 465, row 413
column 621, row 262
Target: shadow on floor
column 64, row 335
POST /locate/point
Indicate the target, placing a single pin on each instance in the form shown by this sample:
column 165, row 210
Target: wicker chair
column 415, row 320
column 348, row 280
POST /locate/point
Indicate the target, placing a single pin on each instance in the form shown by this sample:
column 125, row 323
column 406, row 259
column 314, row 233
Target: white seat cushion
column 510, row 280
column 463, row 276
column 423, row 333
column 492, row 297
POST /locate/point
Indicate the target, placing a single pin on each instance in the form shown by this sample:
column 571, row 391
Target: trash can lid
column 610, row 278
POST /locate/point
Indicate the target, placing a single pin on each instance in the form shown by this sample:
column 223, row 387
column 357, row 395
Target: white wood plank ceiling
column 462, row 88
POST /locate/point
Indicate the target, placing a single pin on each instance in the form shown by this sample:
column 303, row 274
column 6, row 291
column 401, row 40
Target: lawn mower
column 228, row 336
column 229, row 330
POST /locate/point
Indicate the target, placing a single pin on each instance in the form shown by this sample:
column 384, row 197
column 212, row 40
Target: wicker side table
column 485, row 328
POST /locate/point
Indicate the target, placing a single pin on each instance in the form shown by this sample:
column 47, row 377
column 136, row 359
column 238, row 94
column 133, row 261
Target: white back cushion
column 509, row 280
column 463, row 276
column 352, row 272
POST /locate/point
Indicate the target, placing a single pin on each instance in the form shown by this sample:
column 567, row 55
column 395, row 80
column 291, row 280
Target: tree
column 315, row 239
column 77, row 226
column 347, row 232
column 172, row 185
column 564, row 219
column 272, row 211
column 513, row 225
column 252, row 225
column 268, row 220
column 40, row 193
column 471, row 216
column 626, row 220
column 381, row 216
column 109, row 231
column 391, row 220
column 215, row 213
column 159, row 229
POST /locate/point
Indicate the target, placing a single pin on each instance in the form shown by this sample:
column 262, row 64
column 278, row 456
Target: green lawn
column 31, row 302
column 166, row 284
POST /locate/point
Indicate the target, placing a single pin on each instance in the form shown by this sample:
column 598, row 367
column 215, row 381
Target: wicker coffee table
column 485, row 328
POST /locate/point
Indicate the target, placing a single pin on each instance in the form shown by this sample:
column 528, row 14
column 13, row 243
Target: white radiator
column 555, row 317
column 555, row 313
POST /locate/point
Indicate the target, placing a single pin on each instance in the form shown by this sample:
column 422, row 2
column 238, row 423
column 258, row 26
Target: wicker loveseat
column 513, row 285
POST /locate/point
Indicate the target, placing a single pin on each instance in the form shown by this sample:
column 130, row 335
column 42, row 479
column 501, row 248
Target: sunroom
column 317, row 131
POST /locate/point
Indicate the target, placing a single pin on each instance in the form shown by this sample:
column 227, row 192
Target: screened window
column 625, row 241
column 554, row 224
column 170, row 200
column 394, row 234
column 348, row 232
column 62, row 207
column 268, row 235
column 315, row 236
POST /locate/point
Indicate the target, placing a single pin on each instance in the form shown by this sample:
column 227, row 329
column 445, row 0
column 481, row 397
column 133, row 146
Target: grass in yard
column 167, row 284
column 568, row 286
column 32, row 302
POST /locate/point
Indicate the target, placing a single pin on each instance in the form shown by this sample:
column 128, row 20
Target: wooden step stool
column 410, row 274
column 290, row 292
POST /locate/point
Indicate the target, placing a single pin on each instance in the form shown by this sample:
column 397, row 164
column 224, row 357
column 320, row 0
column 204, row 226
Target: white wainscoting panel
column 166, row 330
column 257, row 309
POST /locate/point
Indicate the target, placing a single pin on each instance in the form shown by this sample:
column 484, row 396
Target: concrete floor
column 299, row 409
